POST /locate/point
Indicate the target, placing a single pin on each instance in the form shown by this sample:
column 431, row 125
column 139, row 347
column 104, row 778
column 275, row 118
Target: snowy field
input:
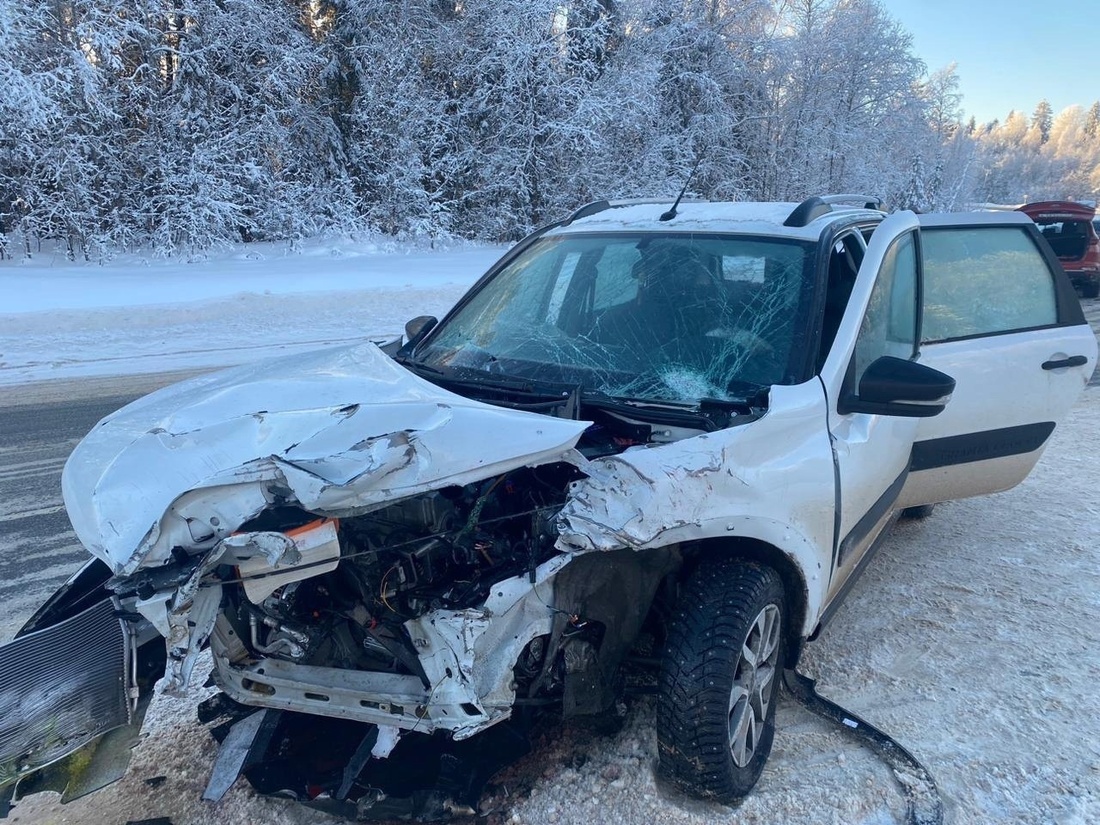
column 974, row 638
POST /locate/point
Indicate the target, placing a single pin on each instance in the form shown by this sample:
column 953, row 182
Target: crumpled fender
column 762, row 480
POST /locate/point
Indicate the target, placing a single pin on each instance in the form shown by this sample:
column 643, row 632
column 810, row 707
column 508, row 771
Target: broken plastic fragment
column 386, row 742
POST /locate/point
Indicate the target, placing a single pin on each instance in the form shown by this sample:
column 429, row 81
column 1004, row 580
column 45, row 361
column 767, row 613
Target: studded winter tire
column 720, row 675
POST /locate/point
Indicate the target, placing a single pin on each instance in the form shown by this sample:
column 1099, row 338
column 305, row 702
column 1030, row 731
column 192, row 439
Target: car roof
column 749, row 218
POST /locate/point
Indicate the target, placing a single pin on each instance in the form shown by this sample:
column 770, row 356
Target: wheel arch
column 762, row 552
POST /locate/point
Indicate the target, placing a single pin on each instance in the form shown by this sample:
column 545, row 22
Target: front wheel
column 720, row 676
column 918, row 512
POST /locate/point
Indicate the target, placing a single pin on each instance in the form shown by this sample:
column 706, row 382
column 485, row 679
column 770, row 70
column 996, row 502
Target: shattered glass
column 672, row 316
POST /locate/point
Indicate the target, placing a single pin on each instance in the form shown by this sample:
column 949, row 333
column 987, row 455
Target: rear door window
column 984, row 281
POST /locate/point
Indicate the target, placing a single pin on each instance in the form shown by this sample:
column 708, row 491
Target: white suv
column 687, row 429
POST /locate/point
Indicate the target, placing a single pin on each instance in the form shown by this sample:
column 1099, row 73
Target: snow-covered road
column 974, row 637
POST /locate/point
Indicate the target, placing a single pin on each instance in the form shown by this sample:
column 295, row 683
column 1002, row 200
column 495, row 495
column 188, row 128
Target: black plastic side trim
column 837, row 600
column 872, row 517
column 963, row 449
column 922, row 797
column 995, row 334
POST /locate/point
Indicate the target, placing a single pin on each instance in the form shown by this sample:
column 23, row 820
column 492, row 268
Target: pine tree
column 1092, row 121
column 1042, row 119
column 915, row 194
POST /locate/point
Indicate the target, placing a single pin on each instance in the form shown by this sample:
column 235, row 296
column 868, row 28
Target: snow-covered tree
column 178, row 124
column 242, row 145
column 1042, row 119
column 947, row 148
column 846, row 114
column 1092, row 121
column 1019, row 167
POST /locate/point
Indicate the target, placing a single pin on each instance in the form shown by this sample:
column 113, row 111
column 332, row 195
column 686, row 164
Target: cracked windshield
column 668, row 317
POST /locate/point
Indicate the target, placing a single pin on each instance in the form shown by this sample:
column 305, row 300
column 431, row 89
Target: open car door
column 872, row 450
column 1001, row 317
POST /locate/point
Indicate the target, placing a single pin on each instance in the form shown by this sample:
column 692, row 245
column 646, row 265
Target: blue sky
column 1010, row 53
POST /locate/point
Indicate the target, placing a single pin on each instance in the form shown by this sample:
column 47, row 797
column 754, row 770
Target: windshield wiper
column 707, row 414
column 470, row 378
column 571, row 401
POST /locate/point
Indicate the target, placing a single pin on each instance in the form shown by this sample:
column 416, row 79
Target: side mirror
column 894, row 386
column 417, row 328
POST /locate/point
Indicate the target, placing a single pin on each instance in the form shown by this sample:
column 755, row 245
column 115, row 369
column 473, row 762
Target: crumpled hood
column 338, row 431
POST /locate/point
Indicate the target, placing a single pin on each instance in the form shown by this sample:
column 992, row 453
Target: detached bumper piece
column 326, row 763
column 61, row 688
column 922, row 797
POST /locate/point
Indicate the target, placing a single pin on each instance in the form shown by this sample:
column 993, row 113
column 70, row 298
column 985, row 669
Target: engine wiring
column 442, row 534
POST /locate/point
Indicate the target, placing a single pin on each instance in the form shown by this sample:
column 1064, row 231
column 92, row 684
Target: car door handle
column 1072, row 361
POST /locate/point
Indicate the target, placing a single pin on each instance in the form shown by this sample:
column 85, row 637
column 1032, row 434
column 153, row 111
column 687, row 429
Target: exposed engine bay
column 443, row 550
column 439, row 550
column 438, row 616
column 418, row 590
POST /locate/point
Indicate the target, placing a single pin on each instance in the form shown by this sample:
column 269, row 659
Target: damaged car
column 677, row 431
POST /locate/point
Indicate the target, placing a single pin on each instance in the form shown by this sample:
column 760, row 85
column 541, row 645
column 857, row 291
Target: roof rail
column 867, row 201
column 815, row 206
column 601, row 205
column 809, row 210
column 588, row 209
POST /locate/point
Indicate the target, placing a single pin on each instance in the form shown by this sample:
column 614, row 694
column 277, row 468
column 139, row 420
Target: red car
column 1069, row 229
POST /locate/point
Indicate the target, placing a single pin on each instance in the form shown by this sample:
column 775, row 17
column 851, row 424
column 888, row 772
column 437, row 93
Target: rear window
column 1054, row 228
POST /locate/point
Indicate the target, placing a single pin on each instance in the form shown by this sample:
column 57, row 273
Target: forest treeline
column 179, row 124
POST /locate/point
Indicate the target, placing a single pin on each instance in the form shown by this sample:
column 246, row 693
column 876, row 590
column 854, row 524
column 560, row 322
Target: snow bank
column 62, row 320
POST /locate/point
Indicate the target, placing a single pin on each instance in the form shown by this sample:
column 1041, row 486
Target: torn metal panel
column 244, row 738
column 770, row 479
column 191, row 612
column 311, row 550
column 336, row 429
